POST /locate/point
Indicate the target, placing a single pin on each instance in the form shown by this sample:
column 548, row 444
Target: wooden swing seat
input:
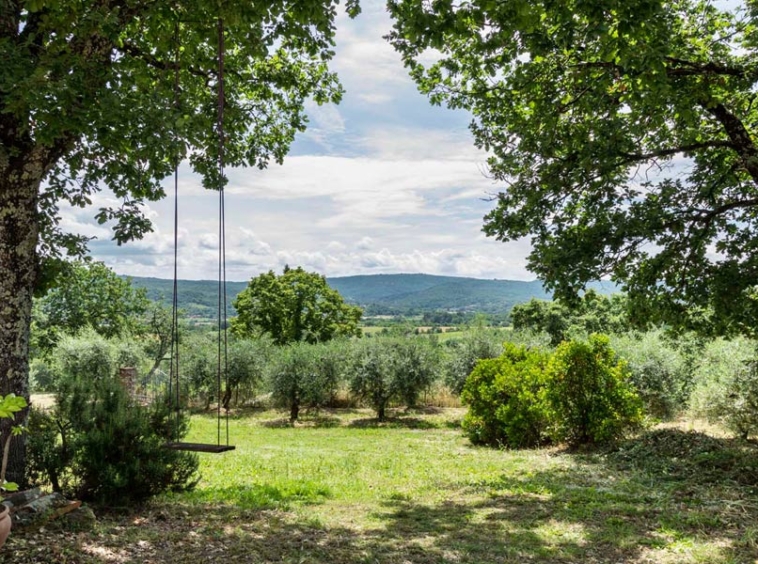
column 199, row 447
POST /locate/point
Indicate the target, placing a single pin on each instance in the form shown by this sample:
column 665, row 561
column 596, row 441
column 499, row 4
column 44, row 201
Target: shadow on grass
column 393, row 423
column 281, row 423
column 453, row 424
column 667, row 496
column 690, row 457
column 320, row 421
column 425, row 410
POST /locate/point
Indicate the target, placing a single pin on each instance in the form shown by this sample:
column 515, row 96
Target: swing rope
column 174, row 368
column 223, row 347
column 222, row 365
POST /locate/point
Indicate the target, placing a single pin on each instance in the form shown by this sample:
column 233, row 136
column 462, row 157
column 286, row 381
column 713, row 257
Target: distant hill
column 424, row 292
column 199, row 298
column 378, row 293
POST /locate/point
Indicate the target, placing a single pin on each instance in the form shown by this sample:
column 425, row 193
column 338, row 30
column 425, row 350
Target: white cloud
column 365, row 243
column 415, row 143
column 326, row 124
column 375, row 97
column 383, row 183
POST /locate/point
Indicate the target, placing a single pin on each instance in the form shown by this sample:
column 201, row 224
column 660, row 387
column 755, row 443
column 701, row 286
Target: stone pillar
column 128, row 376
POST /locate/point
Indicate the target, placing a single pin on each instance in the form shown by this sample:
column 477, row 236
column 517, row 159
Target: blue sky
column 382, row 183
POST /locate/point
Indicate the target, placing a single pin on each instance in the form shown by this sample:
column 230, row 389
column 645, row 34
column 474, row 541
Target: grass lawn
column 340, row 488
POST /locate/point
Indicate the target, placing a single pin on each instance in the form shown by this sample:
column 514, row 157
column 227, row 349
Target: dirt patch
column 43, row 401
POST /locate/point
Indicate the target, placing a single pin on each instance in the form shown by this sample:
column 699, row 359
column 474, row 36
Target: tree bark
column 294, row 410
column 20, row 179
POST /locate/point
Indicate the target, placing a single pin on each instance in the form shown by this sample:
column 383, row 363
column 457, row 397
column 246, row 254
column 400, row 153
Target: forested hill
column 378, row 293
column 423, row 292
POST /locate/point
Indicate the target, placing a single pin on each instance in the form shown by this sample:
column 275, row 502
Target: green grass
column 341, row 488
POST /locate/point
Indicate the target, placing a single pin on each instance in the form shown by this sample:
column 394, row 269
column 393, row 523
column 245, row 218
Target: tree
column 592, row 314
column 542, row 316
column 246, row 367
column 305, row 375
column 296, row 306
column 89, row 99
column 387, row 369
column 88, row 294
column 158, row 335
column 624, row 133
column 463, row 354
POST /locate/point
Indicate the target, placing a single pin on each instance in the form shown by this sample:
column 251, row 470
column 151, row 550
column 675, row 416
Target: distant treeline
column 380, row 294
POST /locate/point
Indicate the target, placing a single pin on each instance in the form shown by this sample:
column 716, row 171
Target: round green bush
column 504, row 399
column 588, row 393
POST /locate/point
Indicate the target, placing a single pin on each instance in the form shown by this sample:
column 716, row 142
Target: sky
column 382, row 183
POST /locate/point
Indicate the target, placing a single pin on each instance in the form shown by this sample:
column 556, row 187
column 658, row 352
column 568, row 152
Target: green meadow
column 340, row 488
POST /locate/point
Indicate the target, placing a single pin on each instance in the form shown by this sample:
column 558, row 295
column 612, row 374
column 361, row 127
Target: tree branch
column 708, row 216
column 742, row 143
column 153, row 61
column 682, row 68
column 691, row 68
column 636, row 157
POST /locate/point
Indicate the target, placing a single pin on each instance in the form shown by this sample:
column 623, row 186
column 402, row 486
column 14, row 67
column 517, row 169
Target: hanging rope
column 223, row 364
column 174, row 369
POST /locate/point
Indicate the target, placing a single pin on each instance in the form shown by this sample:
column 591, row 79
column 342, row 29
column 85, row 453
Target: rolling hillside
column 423, row 292
column 379, row 293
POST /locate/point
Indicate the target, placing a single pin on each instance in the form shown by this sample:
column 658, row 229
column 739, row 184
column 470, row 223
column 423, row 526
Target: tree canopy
column 622, row 133
column 89, row 295
column 296, row 306
column 594, row 313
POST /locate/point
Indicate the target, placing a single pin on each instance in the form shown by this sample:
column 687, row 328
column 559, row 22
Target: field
column 340, row 488
column 447, row 332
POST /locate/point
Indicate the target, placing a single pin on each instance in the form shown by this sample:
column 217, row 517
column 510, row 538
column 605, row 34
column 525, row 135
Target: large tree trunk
column 20, row 179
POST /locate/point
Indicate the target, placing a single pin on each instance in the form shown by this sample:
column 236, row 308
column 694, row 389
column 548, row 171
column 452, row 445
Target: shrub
column 42, row 375
column 504, row 399
column 92, row 355
column 726, row 385
column 528, row 339
column 118, row 447
column 88, row 356
column 48, row 453
column 588, row 393
column 97, row 444
column 659, row 372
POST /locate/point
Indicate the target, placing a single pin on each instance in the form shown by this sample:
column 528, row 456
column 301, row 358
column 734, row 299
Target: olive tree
column 305, row 375
column 388, row 369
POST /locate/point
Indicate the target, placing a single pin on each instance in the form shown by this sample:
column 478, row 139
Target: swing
column 222, row 363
